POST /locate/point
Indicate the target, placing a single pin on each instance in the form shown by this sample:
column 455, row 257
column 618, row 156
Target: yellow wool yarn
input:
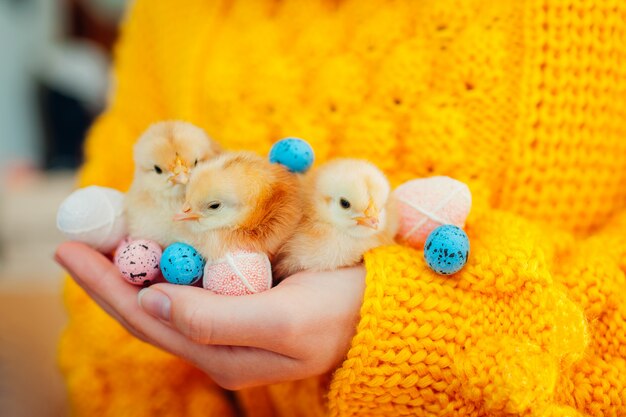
column 521, row 99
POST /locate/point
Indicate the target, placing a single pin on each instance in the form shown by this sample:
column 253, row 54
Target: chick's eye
column 214, row 205
column 345, row 204
column 158, row 169
column 195, row 163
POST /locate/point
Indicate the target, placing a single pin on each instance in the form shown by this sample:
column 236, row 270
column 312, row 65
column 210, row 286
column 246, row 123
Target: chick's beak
column 179, row 172
column 180, row 178
column 371, row 222
column 186, row 214
column 370, row 218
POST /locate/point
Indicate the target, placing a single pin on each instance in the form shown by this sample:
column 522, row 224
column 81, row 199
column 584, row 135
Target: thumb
column 208, row 318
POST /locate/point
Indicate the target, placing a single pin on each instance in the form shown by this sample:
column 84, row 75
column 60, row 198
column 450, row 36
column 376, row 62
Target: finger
column 100, row 301
column 260, row 320
column 100, row 278
column 236, row 367
column 132, row 329
column 103, row 283
column 91, row 268
column 231, row 367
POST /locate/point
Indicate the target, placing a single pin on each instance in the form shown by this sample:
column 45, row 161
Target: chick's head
column 352, row 195
column 167, row 152
column 232, row 191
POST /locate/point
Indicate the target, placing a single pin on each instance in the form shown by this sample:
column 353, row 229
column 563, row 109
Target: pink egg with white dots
column 138, row 261
column 238, row 273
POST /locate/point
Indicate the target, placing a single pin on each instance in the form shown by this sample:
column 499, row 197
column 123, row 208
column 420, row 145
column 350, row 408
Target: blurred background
column 54, row 78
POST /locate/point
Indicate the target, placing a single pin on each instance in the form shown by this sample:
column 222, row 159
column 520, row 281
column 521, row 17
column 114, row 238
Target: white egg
column 94, row 215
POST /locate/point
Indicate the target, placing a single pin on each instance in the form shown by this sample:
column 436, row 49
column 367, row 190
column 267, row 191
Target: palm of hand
column 297, row 329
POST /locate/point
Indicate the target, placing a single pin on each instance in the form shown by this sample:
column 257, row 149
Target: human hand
column 300, row 328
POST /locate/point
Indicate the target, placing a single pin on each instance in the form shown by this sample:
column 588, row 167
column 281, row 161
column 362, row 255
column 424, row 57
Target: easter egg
column 123, row 243
column 426, row 203
column 296, row 154
column 95, row 216
column 181, row 264
column 446, row 249
column 138, row 261
column 238, row 273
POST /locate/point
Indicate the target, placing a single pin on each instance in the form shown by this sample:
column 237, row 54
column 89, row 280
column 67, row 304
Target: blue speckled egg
column 296, row 154
column 446, row 249
column 181, row 264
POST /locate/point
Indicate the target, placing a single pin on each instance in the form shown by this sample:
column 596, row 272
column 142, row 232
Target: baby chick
column 240, row 201
column 348, row 211
column 164, row 156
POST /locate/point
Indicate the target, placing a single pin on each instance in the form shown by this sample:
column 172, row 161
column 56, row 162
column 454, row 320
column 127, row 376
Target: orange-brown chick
column 348, row 211
column 164, row 155
column 240, row 201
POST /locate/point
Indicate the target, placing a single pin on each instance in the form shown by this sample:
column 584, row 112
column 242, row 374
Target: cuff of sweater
column 492, row 337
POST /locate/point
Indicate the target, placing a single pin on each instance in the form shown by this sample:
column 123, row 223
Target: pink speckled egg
column 138, row 261
column 238, row 273
column 426, row 203
column 123, row 243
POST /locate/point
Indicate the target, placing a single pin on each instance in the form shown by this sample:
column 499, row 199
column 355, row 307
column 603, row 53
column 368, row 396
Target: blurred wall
column 26, row 30
column 53, row 77
column 54, row 70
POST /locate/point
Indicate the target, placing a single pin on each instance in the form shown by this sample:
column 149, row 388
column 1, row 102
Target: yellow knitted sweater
column 524, row 100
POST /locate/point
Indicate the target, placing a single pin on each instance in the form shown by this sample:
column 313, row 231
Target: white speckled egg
column 93, row 215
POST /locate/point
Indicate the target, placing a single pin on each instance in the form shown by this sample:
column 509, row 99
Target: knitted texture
column 521, row 99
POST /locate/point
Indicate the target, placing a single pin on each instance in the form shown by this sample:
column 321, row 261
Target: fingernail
column 155, row 303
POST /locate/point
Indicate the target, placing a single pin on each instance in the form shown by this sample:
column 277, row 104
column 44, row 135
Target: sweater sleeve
column 135, row 79
column 155, row 77
column 518, row 330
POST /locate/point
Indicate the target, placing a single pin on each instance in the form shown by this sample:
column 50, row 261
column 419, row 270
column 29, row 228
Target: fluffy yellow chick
column 164, row 156
column 348, row 211
column 240, row 201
